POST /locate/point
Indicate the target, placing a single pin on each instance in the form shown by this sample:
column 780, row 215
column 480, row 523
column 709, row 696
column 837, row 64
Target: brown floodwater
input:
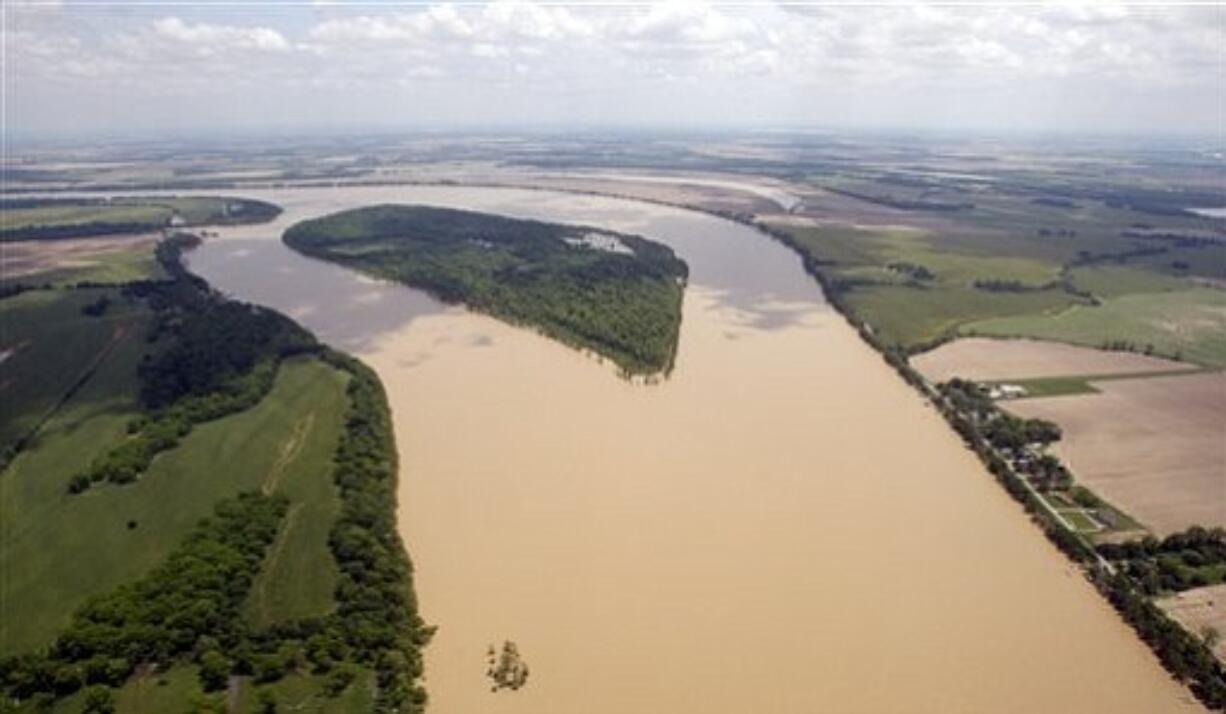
column 780, row 526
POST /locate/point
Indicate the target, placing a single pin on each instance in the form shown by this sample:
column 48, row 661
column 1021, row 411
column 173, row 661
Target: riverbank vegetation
column 56, row 218
column 617, row 295
column 1181, row 561
column 95, row 609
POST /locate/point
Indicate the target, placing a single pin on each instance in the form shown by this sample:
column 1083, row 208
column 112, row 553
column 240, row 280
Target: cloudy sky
column 223, row 65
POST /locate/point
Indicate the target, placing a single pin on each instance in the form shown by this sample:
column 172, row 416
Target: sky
column 109, row 67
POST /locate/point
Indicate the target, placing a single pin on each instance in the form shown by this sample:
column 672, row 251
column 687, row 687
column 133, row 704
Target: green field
column 1189, row 324
column 1108, row 281
column 1081, row 521
column 623, row 302
column 914, row 316
column 300, row 574
column 32, row 219
column 1055, row 386
column 52, row 347
column 1083, row 383
column 59, row 550
column 111, row 267
column 1019, row 256
column 72, row 213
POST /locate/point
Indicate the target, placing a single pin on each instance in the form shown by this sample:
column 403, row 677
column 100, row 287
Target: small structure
column 1007, row 391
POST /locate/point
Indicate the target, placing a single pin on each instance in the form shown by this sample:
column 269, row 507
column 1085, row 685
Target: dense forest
column 617, row 295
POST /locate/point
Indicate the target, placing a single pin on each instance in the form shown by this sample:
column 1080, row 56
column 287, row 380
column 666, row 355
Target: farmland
column 103, row 259
column 1189, row 324
column 1074, row 256
column 96, row 551
column 51, row 348
column 1152, row 446
column 984, row 360
column 53, row 218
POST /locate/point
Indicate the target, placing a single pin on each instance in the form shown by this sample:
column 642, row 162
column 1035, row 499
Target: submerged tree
column 506, row 669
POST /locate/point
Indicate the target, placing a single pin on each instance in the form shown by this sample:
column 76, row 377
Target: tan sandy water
column 781, row 526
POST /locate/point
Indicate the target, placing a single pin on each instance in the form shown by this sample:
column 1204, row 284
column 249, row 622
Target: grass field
column 916, row 286
column 74, row 214
column 29, row 219
column 1188, row 324
column 105, row 259
column 1055, row 386
column 51, row 346
column 915, row 316
column 59, row 549
column 299, row 575
column 922, row 257
column 1108, row 281
column 1083, row 384
column 115, row 267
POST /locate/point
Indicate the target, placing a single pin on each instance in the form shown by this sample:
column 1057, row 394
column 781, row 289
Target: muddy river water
column 780, row 526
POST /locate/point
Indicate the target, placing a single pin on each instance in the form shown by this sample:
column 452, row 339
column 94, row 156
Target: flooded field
column 781, row 526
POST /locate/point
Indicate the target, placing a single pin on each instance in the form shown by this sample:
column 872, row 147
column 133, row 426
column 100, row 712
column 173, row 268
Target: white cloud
column 696, row 55
column 221, row 37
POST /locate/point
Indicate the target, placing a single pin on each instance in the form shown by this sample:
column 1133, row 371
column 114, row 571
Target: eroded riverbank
column 781, row 526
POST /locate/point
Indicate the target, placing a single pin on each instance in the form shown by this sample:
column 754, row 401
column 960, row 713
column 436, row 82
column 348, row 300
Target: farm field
column 1151, row 446
column 1198, row 609
column 59, row 550
column 917, row 317
column 983, row 359
column 922, row 257
column 1188, row 324
column 50, row 347
column 299, row 575
column 108, row 259
column 57, row 218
